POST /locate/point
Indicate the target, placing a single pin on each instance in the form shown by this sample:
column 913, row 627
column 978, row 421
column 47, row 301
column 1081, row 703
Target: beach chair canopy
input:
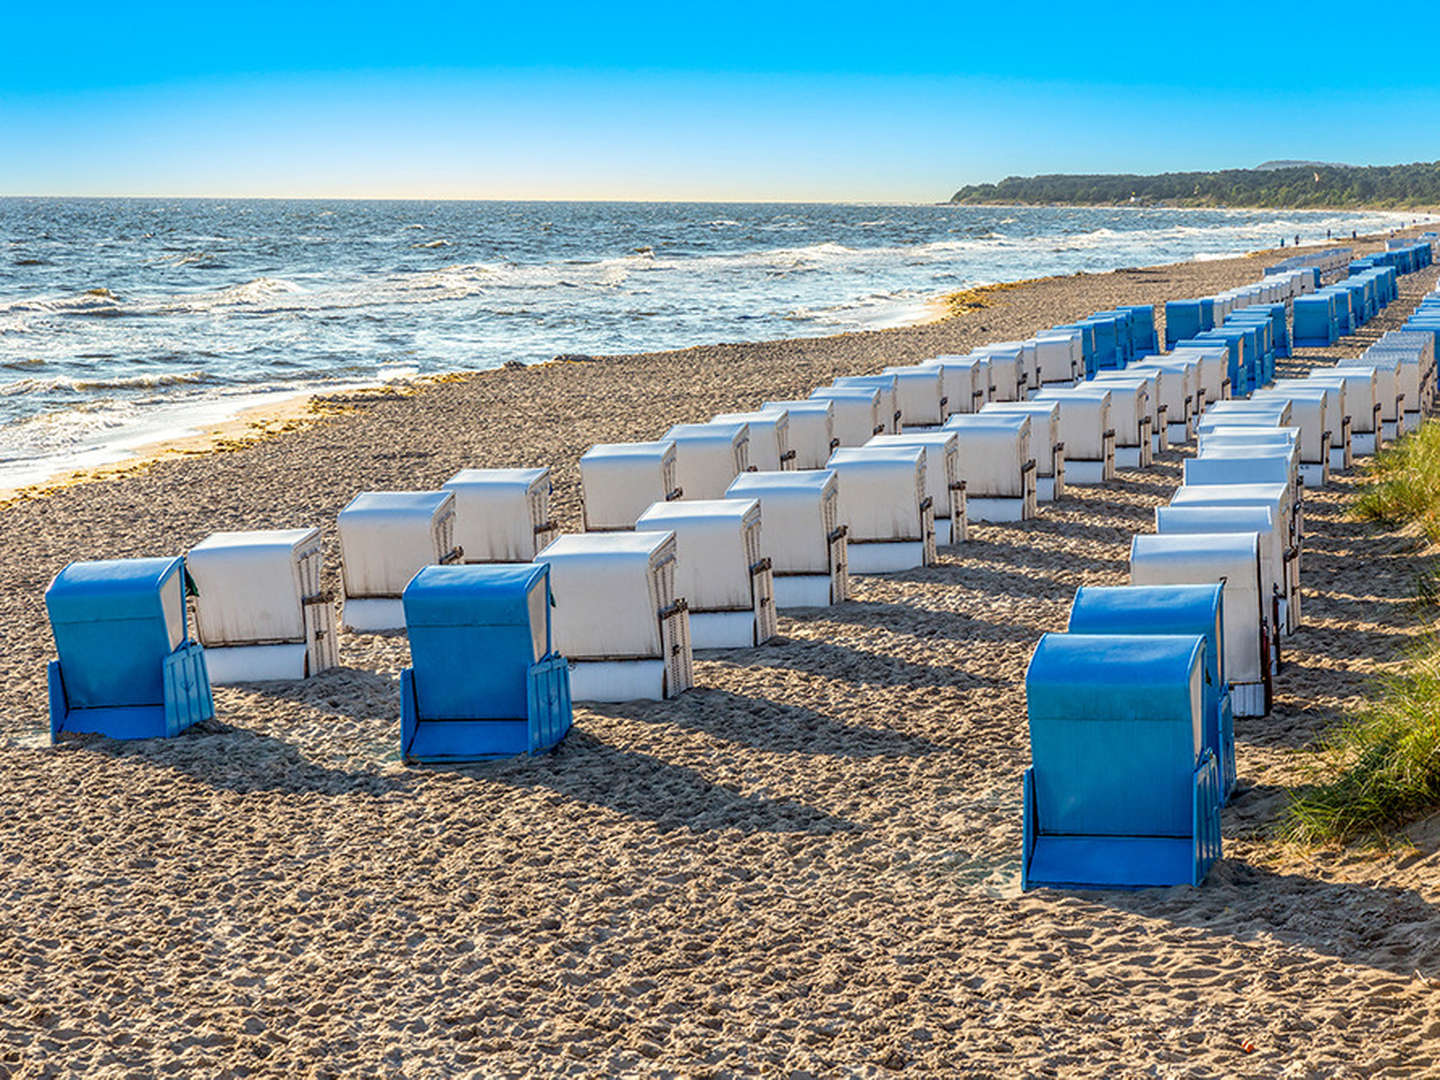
column 942, row 463
column 881, row 491
column 798, row 512
column 769, row 445
column 708, row 457
column 249, row 586
column 620, row 480
column 918, row 395
column 386, row 536
column 887, row 385
column 1085, row 417
column 994, row 451
column 501, row 515
column 717, row 543
column 810, row 430
column 607, row 593
column 857, row 412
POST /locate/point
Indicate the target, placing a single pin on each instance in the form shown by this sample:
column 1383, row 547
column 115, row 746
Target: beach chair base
column 992, row 508
column 1086, row 471
column 1392, row 430
column 1315, row 475
column 187, row 701
column 1362, row 443
column 1130, row 457
column 1248, row 699
column 1339, row 456
column 804, row 591
column 888, row 556
column 373, row 614
column 256, row 663
column 1045, row 489
column 945, row 534
column 722, row 629
column 1125, row 862
column 1178, row 434
column 619, row 680
column 452, row 740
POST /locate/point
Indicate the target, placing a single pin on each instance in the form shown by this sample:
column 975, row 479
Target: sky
column 732, row 102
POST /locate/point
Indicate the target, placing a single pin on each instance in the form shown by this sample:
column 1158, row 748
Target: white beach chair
column 260, row 612
column 888, row 387
column 1179, row 392
column 1059, row 359
column 1337, row 418
column 619, row 481
column 1007, row 370
column 920, row 394
column 1132, row 417
column 1362, row 405
column 942, row 480
column 885, row 506
column 801, row 533
column 385, row 537
column 1086, row 430
column 965, row 381
column 1308, row 416
column 719, row 569
column 1232, row 560
column 857, row 412
column 811, row 430
column 1214, row 373
column 769, row 446
column 1046, row 446
column 1388, row 389
column 708, row 457
column 501, row 515
column 996, row 465
column 617, row 617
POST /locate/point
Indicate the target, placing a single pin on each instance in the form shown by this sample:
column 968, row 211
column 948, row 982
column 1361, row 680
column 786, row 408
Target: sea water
column 127, row 320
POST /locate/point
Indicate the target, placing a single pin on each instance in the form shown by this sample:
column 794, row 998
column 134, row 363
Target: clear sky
column 689, row 101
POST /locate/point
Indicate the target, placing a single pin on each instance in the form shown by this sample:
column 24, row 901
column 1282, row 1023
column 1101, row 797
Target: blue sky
column 745, row 101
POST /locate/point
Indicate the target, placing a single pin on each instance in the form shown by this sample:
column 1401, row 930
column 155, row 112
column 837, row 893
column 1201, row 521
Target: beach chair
column 1231, row 560
column 964, row 381
column 1362, row 405
column 719, row 569
column 1130, row 416
column 886, row 508
column 1122, row 791
column 260, row 611
column 385, row 538
column 1007, row 370
column 501, row 515
column 769, row 445
column 1321, row 415
column 617, row 616
column 1086, row 430
column 1046, row 446
column 1171, row 609
column 126, row 666
column 619, row 481
column 810, row 431
column 997, row 465
column 484, row 681
column 857, row 413
column 888, row 387
column 1059, row 359
column 1259, row 470
column 801, row 533
column 1388, row 388
column 942, row 480
column 1179, row 392
column 1279, row 562
column 1214, row 373
column 919, row 395
column 1154, row 382
column 708, row 457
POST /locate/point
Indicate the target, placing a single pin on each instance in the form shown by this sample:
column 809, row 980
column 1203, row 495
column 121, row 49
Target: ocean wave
column 69, row 384
column 431, row 244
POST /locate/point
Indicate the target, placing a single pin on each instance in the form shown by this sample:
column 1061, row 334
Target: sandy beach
column 807, row 866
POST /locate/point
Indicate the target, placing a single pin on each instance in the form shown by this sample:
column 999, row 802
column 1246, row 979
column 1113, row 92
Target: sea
column 128, row 321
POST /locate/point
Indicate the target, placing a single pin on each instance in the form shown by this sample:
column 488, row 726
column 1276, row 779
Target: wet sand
column 806, row 866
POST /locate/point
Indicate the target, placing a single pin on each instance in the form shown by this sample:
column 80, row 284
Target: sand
column 808, row 866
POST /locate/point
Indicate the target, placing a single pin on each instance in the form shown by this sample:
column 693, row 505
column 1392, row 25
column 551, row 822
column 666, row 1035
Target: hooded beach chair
column 1214, row 373
column 1179, row 393
column 857, row 413
column 708, row 457
column 1310, row 414
column 617, row 616
column 1388, row 389
column 484, row 681
column 920, row 396
column 1256, row 475
column 965, row 382
column 719, row 569
column 886, row 507
column 997, row 465
column 1130, row 416
column 801, row 533
column 1122, row 791
column 810, row 431
column 1007, row 370
column 1158, row 411
column 1171, row 609
column 1059, row 359
column 887, row 385
column 619, row 481
column 501, row 515
column 942, row 480
column 1086, row 430
column 1362, row 405
column 259, row 609
column 126, row 666
column 385, row 538
column 1232, row 560
column 1279, row 565
column 1337, row 416
column 1046, row 446
column 769, row 445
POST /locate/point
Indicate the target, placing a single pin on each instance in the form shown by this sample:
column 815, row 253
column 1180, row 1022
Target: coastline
column 808, row 864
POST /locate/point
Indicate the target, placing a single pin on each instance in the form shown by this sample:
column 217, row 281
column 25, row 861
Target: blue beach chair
column 127, row 667
column 1121, row 792
column 1171, row 609
column 484, row 681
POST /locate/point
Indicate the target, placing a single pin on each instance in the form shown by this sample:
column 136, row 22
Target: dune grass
column 1380, row 768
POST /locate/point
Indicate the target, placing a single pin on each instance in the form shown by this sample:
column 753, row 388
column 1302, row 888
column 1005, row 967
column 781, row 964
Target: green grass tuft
column 1405, row 483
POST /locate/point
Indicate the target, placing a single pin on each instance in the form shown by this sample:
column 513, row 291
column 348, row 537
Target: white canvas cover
column 708, row 457
column 1059, row 355
column 1179, row 390
column 798, row 513
column 918, row 393
column 1387, row 381
column 769, row 446
column 250, row 585
column 889, row 396
column 1361, row 394
column 1214, row 369
column 1260, row 520
column 1129, row 410
column 942, row 469
column 1258, row 465
column 1207, row 558
column 619, row 480
column 387, row 536
column 1153, row 378
column 965, row 382
column 1248, row 411
column 1307, row 412
column 811, row 430
column 1085, row 417
column 857, row 412
column 712, row 545
column 994, row 450
column 1335, row 410
column 1046, row 446
column 1007, row 371
column 881, row 489
column 501, row 515
column 608, row 593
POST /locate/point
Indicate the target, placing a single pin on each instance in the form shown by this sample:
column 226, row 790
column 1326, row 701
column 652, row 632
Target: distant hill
column 1274, row 184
